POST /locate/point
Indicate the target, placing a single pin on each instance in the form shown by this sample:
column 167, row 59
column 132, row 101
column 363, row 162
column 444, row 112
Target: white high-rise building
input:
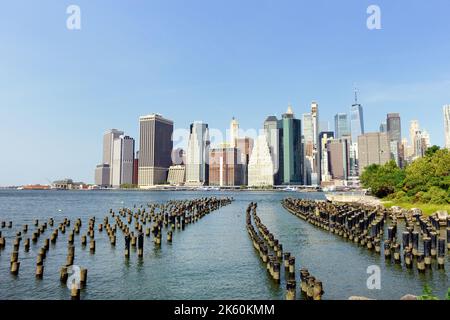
column 357, row 129
column 117, row 163
column 234, row 132
column 197, row 155
column 414, row 128
column 260, row 167
column 123, row 158
column 315, row 175
column 446, row 110
column 308, row 147
column 108, row 149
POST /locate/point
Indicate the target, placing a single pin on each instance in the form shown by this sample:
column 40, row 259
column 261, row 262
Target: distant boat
column 290, row 189
column 208, row 189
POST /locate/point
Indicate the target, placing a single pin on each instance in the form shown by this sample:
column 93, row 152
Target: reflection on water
column 211, row 259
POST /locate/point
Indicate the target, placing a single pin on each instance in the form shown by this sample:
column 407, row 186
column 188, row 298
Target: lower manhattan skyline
column 60, row 90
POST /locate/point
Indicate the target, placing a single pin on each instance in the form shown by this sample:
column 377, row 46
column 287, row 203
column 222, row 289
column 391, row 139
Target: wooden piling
column 291, row 290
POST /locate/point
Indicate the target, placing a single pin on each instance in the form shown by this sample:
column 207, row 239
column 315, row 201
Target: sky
column 208, row 60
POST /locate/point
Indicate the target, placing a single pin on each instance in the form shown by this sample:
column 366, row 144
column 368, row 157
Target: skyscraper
column 383, row 127
column 108, row 150
column 446, row 110
column 102, row 175
column 308, row 147
column 136, row 169
column 341, row 125
column 315, row 175
column 127, row 163
column 394, row 131
column 273, row 136
column 244, row 148
column 292, row 148
column 394, row 128
column 413, row 128
column 155, row 148
column 234, row 132
column 197, row 161
column 324, row 138
column 356, row 119
column 260, row 167
column 338, row 158
column 224, row 167
column 123, row 158
column 373, row 148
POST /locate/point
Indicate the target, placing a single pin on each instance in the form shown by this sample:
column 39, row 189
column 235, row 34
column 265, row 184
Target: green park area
column 423, row 184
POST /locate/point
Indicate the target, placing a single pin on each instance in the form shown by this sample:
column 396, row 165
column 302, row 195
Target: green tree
column 432, row 150
column 430, row 171
column 383, row 180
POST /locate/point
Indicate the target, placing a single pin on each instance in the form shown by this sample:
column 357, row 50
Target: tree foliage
column 425, row 180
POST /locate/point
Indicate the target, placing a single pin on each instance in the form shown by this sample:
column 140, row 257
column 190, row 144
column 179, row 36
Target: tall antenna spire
column 356, row 93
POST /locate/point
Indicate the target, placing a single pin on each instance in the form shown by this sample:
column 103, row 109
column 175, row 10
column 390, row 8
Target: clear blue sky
column 205, row 60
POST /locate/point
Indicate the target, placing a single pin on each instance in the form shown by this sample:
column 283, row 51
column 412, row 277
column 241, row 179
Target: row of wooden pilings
column 271, row 253
column 364, row 225
column 173, row 215
column 170, row 216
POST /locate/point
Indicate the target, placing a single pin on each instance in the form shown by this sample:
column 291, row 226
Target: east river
column 211, row 259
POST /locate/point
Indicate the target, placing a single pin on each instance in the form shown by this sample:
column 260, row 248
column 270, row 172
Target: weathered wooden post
column 427, row 251
column 415, row 243
column 127, row 245
column 421, row 262
column 140, row 244
column 92, row 246
column 291, row 290
column 318, row 290
column 441, row 253
column 83, row 277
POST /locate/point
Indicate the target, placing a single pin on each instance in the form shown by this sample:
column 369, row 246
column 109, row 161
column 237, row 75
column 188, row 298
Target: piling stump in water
column 291, row 290
column 427, row 252
column 75, row 292
column 63, row 275
column 318, row 290
column 83, row 277
column 127, row 246
column 421, row 262
column 441, row 253
column 448, row 238
column 310, row 288
column 292, row 266
column 27, row 244
column 140, row 244
column 92, row 246
column 83, row 240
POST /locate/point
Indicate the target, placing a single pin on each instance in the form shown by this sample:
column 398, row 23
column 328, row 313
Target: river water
column 211, row 259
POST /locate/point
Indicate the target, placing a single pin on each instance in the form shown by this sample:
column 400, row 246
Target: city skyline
column 70, row 86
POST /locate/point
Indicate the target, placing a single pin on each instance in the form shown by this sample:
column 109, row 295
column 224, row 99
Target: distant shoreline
column 168, row 189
